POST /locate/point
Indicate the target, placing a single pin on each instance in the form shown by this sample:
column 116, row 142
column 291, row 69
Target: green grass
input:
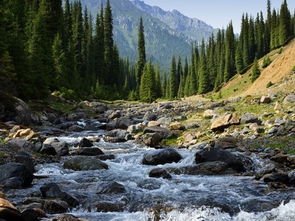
column 286, row 144
column 170, row 142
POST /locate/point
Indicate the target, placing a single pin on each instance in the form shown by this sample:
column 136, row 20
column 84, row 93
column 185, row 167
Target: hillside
column 280, row 73
column 167, row 33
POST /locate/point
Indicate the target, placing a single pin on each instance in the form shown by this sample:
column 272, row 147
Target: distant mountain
column 167, row 33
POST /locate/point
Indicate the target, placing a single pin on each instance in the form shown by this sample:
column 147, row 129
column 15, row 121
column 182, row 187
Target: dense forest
column 58, row 47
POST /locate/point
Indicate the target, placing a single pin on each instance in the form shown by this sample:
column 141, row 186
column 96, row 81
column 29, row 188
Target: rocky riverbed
column 163, row 161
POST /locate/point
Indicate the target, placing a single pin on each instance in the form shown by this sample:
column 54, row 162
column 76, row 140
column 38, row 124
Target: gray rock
column 52, row 190
column 289, row 99
column 15, row 175
column 249, row 118
column 111, row 188
column 90, row 151
column 151, row 139
column 84, row 163
column 85, row 143
column 52, row 146
column 159, row 173
column 163, row 132
column 163, row 156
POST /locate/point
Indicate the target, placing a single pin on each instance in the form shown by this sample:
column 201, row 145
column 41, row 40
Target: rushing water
column 183, row 198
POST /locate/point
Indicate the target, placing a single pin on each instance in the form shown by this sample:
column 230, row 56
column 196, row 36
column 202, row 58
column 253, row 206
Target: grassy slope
column 278, row 72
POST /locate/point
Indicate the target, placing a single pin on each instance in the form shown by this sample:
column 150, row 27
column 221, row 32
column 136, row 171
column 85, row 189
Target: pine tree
column 284, row 24
column 147, row 85
column 59, row 60
column 255, row 71
column 141, row 52
column 109, row 76
column 204, row 80
column 173, row 80
column 229, row 53
column 239, row 59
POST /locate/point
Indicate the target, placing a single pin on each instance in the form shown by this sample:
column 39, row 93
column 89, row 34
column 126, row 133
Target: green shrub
column 67, row 94
column 293, row 69
column 269, row 84
column 266, row 62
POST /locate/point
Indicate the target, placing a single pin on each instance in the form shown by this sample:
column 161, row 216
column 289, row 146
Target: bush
column 67, row 94
column 293, row 69
column 266, row 62
column 269, row 84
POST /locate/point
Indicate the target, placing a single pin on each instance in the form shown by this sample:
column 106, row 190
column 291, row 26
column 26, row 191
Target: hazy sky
column 218, row 13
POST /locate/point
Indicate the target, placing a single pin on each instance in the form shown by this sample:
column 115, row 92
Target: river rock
column 150, row 116
column 66, row 217
column 249, row 118
column 153, row 124
column 225, row 121
column 209, row 114
column 90, row 151
column 160, row 173
column 163, row 156
column 207, row 168
column 52, row 146
column 55, row 206
column 84, row 163
column 75, row 128
column 85, row 143
column 135, row 128
column 237, row 162
column 111, row 188
column 26, row 134
column 33, row 214
column 116, row 136
column 8, row 212
column 163, row 132
column 109, row 207
column 52, row 190
column 276, row 177
column 15, row 175
column 151, row 139
column 26, row 159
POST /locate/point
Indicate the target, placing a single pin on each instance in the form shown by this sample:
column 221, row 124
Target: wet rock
column 90, row 151
column 76, row 116
column 34, row 214
column 160, row 173
column 151, row 139
column 26, row 159
column 163, row 132
column 225, row 121
column 52, row 190
column 66, row 217
column 150, row 184
column 21, row 144
column 111, row 188
column 55, row 206
column 109, row 207
column 75, row 128
column 15, row 175
column 123, row 123
column 115, row 114
column 85, row 143
column 161, row 157
column 249, row 118
column 106, row 157
column 237, row 162
column 207, row 168
column 84, row 163
column 289, row 99
column 8, row 212
column 177, row 126
column 280, row 158
column 116, row 136
column 52, row 146
column 276, row 177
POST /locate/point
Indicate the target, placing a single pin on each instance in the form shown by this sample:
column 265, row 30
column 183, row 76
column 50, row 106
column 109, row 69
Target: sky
column 218, row 13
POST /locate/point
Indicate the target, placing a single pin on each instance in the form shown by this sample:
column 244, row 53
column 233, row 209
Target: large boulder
column 225, row 121
column 161, row 157
column 15, row 175
column 8, row 212
column 235, row 161
column 14, row 109
column 151, row 139
column 52, row 190
column 90, row 151
column 84, row 163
